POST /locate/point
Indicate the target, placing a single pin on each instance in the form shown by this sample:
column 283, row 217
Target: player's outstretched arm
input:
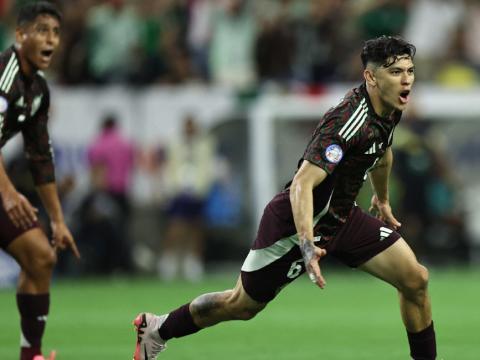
column 62, row 238
column 301, row 199
column 379, row 177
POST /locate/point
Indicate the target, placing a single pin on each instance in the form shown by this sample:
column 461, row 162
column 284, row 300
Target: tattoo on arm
column 307, row 250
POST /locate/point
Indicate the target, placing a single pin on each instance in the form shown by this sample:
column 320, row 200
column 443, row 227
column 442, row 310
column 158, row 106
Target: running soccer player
column 24, row 105
column 316, row 214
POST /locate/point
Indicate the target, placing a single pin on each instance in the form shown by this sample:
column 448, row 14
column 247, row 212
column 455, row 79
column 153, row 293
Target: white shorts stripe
column 259, row 258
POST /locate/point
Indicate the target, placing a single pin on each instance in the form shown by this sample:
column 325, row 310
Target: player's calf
column 242, row 311
column 210, row 309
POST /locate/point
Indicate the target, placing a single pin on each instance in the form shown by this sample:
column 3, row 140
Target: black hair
column 29, row 12
column 385, row 50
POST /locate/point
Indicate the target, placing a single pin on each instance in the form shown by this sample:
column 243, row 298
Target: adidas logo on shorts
column 384, row 233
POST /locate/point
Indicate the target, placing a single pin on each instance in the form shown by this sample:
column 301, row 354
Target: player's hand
column 311, row 256
column 383, row 211
column 18, row 208
column 62, row 238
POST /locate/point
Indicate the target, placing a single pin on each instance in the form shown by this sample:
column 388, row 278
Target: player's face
column 38, row 41
column 394, row 83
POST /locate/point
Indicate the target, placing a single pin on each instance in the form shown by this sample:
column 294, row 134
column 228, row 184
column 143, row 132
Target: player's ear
column 20, row 35
column 369, row 76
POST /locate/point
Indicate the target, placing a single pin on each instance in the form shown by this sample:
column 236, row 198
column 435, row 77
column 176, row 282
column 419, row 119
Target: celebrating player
column 24, row 105
column 317, row 214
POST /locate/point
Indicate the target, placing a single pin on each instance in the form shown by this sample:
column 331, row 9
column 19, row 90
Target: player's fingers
column 31, row 211
column 320, row 252
column 28, row 209
column 24, row 216
column 394, row 222
column 74, row 248
column 320, row 279
column 316, row 275
column 58, row 241
column 12, row 214
column 29, row 214
column 19, row 217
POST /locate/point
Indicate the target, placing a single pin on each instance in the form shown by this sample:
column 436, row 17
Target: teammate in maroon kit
column 316, row 214
column 24, row 104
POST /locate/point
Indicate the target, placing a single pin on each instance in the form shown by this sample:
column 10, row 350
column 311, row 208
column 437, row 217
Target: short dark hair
column 385, row 50
column 29, row 12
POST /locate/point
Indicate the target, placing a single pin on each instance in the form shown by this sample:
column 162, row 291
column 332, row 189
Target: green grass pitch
column 355, row 317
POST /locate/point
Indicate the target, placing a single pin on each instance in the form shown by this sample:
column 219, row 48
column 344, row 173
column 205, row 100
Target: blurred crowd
column 245, row 43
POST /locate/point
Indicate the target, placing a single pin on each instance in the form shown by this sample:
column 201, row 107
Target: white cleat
column 149, row 342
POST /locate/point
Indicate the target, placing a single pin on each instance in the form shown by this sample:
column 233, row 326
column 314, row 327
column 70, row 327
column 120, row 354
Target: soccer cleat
column 41, row 357
column 149, row 342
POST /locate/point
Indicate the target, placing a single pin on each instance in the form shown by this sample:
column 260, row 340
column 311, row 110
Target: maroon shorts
column 8, row 231
column 269, row 268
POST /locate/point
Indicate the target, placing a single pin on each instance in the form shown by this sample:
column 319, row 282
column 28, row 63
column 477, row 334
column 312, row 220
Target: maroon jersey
column 24, row 104
column 346, row 143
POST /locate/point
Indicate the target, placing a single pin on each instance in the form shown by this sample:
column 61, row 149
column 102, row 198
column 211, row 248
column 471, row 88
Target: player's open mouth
column 46, row 54
column 404, row 96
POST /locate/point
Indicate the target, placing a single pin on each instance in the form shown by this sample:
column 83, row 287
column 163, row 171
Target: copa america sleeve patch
column 334, row 153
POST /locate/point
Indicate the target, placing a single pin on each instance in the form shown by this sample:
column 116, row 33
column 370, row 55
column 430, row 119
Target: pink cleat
column 149, row 342
column 52, row 356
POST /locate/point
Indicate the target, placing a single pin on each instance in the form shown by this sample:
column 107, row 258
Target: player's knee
column 421, row 278
column 417, row 283
column 424, row 276
column 43, row 263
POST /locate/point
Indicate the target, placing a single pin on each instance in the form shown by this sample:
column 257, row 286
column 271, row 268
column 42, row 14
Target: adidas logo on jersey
column 36, row 104
column 384, row 233
column 373, row 149
column 20, row 102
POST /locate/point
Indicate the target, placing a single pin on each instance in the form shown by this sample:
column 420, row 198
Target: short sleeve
column 37, row 145
column 326, row 148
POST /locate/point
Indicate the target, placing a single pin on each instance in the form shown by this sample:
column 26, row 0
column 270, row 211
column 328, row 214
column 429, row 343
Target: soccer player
column 316, row 214
column 24, row 105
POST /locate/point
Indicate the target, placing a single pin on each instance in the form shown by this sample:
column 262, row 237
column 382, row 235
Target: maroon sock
column 179, row 323
column 33, row 317
column 423, row 345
